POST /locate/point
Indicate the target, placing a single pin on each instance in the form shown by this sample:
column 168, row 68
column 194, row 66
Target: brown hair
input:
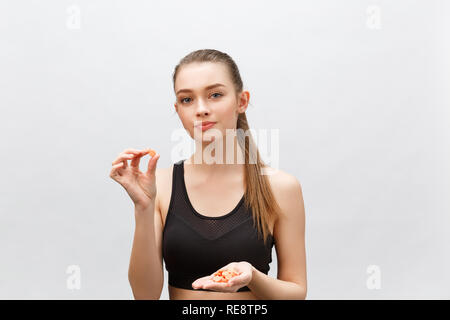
column 258, row 193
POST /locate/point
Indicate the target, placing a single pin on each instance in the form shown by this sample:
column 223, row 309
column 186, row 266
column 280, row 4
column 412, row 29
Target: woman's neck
column 207, row 158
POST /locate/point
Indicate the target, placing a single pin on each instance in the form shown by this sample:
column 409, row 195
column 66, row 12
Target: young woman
column 202, row 217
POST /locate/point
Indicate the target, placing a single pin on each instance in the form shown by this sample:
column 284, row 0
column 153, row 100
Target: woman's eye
column 183, row 100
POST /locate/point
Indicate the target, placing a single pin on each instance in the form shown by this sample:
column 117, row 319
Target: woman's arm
column 145, row 273
column 289, row 234
column 265, row 287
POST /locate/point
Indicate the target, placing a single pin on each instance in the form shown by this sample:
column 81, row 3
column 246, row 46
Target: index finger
column 134, row 151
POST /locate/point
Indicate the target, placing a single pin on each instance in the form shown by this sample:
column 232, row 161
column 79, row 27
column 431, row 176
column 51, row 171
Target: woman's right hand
column 141, row 187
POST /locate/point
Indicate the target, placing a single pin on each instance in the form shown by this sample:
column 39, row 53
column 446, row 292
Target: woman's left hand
column 233, row 285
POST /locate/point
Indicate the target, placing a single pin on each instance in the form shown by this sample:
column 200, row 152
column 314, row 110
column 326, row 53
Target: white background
column 358, row 89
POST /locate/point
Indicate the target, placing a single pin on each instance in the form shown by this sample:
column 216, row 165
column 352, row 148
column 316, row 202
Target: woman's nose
column 202, row 108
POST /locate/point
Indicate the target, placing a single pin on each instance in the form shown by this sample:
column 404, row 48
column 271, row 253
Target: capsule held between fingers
column 150, row 152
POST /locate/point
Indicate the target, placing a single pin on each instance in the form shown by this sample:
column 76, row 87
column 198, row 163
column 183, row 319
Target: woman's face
column 197, row 101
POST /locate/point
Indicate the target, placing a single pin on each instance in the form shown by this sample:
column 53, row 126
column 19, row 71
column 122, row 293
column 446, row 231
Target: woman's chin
column 208, row 138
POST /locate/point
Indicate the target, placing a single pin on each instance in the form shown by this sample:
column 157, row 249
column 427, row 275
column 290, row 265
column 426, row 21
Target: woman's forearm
column 145, row 273
column 265, row 287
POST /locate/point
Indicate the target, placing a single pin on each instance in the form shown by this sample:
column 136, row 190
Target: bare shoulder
column 286, row 188
column 163, row 183
column 280, row 179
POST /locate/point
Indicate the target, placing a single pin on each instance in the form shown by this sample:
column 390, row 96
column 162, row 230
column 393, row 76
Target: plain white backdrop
column 359, row 91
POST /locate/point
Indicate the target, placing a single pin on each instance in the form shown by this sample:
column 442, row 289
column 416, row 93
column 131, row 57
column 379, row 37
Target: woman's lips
column 206, row 125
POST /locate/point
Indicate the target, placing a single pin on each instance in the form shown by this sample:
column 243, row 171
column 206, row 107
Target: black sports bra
column 195, row 245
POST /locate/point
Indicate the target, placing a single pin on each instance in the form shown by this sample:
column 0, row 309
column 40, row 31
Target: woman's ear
column 176, row 108
column 243, row 101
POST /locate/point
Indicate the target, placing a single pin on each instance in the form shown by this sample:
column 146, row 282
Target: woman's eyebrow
column 206, row 88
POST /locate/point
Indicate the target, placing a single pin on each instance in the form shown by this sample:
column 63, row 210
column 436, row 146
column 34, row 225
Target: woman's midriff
column 185, row 294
